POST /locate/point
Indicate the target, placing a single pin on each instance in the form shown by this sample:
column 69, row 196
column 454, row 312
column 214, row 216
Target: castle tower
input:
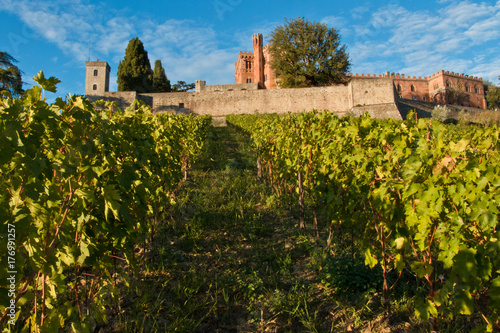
column 96, row 77
column 258, row 62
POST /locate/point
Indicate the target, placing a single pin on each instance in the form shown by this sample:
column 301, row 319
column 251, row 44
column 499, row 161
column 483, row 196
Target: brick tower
column 258, row 62
column 96, row 77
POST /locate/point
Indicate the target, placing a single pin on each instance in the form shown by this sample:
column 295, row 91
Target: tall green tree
column 10, row 75
column 134, row 71
column 493, row 96
column 306, row 53
column 160, row 81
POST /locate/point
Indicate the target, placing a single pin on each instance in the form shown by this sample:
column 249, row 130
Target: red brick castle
column 443, row 87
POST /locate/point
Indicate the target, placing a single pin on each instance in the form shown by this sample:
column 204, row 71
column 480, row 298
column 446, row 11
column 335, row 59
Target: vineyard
column 132, row 222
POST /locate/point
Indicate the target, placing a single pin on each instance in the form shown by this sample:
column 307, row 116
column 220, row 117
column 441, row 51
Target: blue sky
column 200, row 40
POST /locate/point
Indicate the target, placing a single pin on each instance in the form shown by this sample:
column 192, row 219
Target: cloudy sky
column 200, row 40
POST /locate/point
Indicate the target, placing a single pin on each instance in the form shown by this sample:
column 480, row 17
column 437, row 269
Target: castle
column 256, row 91
column 442, row 87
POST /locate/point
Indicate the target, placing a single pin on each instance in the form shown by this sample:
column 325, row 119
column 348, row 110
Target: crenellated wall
column 437, row 87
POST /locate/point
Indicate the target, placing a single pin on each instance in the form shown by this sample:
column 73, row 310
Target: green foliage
column 442, row 113
column 349, row 276
column 308, row 54
column 10, row 75
column 134, row 71
column 160, row 81
column 182, row 86
column 83, row 186
column 422, row 194
column 493, row 97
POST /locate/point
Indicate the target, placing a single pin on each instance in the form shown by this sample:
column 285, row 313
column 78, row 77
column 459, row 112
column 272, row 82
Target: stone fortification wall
column 122, row 98
column 340, row 99
column 200, row 86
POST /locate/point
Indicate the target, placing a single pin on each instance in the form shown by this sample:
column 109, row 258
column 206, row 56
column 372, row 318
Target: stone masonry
column 255, row 91
column 255, row 67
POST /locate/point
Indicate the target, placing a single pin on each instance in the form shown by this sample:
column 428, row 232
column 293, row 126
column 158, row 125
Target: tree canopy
column 307, row 53
column 160, row 81
column 493, row 96
column 10, row 75
column 182, row 86
column 134, row 71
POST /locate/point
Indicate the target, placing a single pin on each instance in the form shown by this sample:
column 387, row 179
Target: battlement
column 409, row 77
column 461, row 75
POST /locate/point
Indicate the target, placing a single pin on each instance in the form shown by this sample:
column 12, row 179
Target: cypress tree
column 134, row 71
column 160, row 81
column 10, row 75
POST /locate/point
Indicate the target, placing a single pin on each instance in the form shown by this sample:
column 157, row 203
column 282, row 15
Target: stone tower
column 96, row 77
column 258, row 62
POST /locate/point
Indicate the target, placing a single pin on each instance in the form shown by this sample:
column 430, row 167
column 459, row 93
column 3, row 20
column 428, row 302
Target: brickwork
column 438, row 88
column 255, row 67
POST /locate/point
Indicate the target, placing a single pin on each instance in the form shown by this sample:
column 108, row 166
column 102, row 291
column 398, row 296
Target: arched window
column 96, row 72
column 448, row 83
column 94, row 87
column 248, row 65
column 476, row 89
column 249, row 80
column 399, row 88
column 467, row 88
column 412, row 87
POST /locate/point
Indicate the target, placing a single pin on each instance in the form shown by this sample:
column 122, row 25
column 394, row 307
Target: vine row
column 423, row 195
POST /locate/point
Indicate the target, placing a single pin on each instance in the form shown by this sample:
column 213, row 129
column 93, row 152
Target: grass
column 232, row 259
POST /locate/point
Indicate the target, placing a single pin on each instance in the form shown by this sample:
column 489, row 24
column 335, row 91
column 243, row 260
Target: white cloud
column 334, row 21
column 421, row 42
column 188, row 51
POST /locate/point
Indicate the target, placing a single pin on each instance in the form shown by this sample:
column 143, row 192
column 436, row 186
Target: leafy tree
column 10, row 75
column 308, row 54
column 456, row 96
column 493, row 96
column 134, row 71
column 181, row 86
column 160, row 81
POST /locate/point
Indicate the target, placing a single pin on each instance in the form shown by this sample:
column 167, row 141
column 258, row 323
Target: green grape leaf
column 47, row 84
column 424, row 308
column 370, row 260
column 464, row 303
column 399, row 242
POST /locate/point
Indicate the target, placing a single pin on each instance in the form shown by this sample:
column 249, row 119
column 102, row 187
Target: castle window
column 412, row 87
column 448, row 83
column 181, row 105
column 248, row 65
column 94, row 87
column 96, row 72
column 249, row 80
column 467, row 88
column 436, row 87
column 414, row 98
column 400, row 88
column 476, row 90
